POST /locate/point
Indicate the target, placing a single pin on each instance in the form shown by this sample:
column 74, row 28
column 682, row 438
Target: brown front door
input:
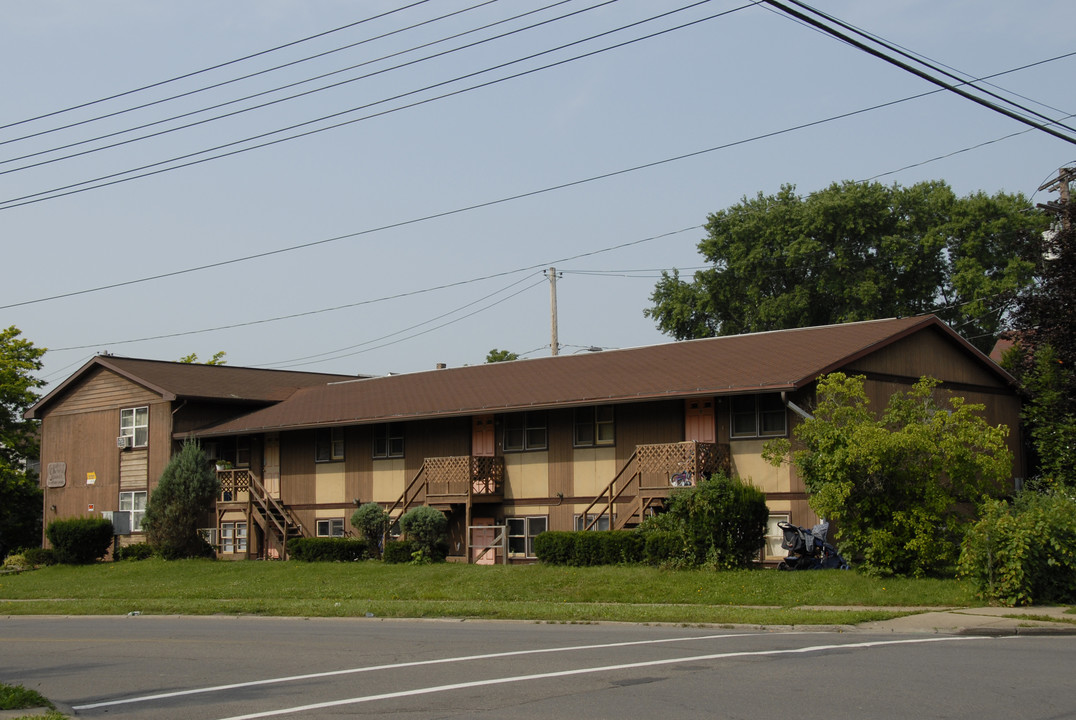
column 483, row 436
column 699, row 420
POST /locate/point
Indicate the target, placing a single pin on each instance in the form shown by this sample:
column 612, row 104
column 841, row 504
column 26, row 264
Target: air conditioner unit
column 124, row 441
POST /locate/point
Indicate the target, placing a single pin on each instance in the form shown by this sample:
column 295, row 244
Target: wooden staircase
column 277, row 523
column 649, row 476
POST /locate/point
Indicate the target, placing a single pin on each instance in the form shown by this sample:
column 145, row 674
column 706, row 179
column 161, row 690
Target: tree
column 722, row 522
column 897, row 487
column 496, row 355
column 180, row 503
column 20, row 495
column 217, row 359
column 856, row 251
column 1044, row 356
column 372, row 522
column 427, row 527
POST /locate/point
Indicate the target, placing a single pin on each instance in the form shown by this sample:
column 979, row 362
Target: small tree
column 427, row 527
column 898, row 487
column 20, row 511
column 183, row 498
column 372, row 522
column 722, row 522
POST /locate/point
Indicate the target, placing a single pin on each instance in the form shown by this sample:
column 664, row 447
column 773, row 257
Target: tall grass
column 538, row 592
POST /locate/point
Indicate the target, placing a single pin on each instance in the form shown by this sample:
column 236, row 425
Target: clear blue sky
column 364, row 298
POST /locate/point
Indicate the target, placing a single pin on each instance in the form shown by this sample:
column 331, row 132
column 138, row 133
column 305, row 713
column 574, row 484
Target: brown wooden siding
column 105, row 389
column 926, row 353
column 645, row 423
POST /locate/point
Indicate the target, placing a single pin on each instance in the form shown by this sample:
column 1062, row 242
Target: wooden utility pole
column 1060, row 183
column 554, row 343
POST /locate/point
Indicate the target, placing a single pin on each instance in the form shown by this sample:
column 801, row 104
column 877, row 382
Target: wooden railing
column 648, row 477
column 242, row 486
column 452, row 479
column 232, row 483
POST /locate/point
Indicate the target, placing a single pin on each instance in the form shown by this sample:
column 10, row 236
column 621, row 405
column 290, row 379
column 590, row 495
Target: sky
column 408, row 215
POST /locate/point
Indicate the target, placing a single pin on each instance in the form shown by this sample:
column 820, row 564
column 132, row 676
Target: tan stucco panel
column 388, row 480
column 592, row 470
column 526, row 475
column 329, row 483
column 747, row 462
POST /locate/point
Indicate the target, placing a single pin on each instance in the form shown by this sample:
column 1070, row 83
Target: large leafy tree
column 20, row 495
column 181, row 502
column 856, row 251
column 897, row 485
column 1044, row 357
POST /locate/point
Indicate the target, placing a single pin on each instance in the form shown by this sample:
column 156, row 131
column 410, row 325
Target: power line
column 921, row 74
column 305, row 93
column 116, row 178
column 499, row 201
column 211, row 68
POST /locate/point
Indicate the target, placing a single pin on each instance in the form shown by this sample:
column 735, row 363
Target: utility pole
column 1060, row 183
column 554, row 343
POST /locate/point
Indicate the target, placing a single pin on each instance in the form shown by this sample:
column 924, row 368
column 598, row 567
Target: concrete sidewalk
column 981, row 621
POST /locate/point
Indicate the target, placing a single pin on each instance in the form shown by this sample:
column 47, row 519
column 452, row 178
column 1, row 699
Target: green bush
column 1023, row 553
column 134, row 551
column 372, row 522
column 328, row 549
column 80, row 541
column 178, row 506
column 722, row 520
column 427, row 527
column 589, row 547
column 663, row 547
column 399, row 551
column 553, row 547
column 38, row 556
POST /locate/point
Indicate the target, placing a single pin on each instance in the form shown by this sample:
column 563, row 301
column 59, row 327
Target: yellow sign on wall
column 91, row 478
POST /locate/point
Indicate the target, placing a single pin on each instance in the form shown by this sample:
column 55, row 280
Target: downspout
column 794, row 407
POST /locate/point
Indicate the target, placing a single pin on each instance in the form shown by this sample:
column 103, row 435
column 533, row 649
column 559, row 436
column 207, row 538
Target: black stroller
column 808, row 549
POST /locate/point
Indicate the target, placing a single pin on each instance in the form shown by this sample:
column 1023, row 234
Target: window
column 774, row 536
column 758, row 416
column 329, row 445
column 521, row 534
column 388, row 440
column 525, row 431
column 134, row 423
column 133, row 505
column 594, row 426
column 333, row 527
column 602, row 524
column 233, row 537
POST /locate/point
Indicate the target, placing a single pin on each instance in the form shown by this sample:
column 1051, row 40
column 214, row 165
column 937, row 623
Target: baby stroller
column 808, row 549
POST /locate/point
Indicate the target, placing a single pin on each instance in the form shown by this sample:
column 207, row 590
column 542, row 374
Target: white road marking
column 584, row 671
column 416, row 663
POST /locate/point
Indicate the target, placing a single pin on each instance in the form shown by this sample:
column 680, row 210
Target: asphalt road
column 220, row 667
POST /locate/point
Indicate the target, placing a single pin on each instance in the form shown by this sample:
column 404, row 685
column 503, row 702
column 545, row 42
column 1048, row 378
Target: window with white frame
column 330, row 527
column 525, row 431
column 388, row 440
column 233, row 537
column 133, row 505
column 521, row 534
column 329, row 445
column 774, row 536
column 134, row 423
column 594, row 426
column 601, row 524
column 758, row 416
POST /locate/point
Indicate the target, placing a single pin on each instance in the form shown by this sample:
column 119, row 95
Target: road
column 220, row 667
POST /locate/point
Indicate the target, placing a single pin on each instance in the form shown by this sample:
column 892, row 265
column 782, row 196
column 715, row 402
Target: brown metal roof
column 779, row 360
column 172, row 380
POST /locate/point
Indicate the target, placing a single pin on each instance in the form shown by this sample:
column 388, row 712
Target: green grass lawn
column 527, row 592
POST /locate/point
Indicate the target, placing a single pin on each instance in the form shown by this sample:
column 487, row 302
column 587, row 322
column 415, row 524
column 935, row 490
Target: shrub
column 663, row 547
column 134, row 551
column 589, row 547
column 722, row 521
column 38, row 556
column 328, row 549
column 372, row 522
column 399, row 551
column 1025, row 552
column 427, row 527
column 180, row 503
column 554, row 547
column 80, row 541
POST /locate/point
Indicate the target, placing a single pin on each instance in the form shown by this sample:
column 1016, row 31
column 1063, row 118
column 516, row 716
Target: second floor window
column 594, row 426
column 758, row 416
column 525, row 431
column 134, row 423
column 329, row 445
column 388, row 440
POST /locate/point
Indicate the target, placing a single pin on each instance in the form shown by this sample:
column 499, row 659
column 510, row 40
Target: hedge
column 80, row 541
column 589, row 547
column 322, row 549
